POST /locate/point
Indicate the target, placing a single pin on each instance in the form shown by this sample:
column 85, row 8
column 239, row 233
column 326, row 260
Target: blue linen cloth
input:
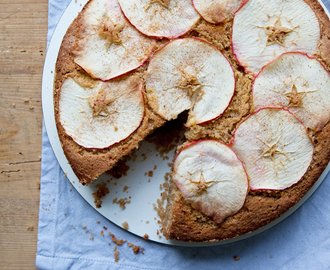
column 302, row 241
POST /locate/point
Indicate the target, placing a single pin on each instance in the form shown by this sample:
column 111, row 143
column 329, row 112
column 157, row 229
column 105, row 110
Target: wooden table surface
column 23, row 36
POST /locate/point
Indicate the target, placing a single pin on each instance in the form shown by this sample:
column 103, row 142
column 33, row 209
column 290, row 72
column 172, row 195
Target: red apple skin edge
column 231, row 41
column 144, row 112
column 200, row 39
column 157, row 37
column 310, row 57
column 276, row 108
column 195, row 142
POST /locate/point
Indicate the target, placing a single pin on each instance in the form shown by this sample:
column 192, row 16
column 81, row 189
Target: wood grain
column 23, row 32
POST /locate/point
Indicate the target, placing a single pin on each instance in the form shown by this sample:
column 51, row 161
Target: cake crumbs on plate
column 125, row 225
column 64, row 175
column 100, row 193
column 145, row 236
column 122, row 202
column 125, row 188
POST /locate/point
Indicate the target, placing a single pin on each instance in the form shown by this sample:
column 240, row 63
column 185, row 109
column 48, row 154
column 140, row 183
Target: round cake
column 251, row 77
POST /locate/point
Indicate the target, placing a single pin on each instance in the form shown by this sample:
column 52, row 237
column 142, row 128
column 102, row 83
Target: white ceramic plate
column 139, row 214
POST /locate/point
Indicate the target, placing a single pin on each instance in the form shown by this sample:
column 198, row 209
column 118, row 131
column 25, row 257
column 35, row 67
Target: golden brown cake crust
column 182, row 221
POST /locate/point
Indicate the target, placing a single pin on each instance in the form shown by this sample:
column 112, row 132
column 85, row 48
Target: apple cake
column 252, row 76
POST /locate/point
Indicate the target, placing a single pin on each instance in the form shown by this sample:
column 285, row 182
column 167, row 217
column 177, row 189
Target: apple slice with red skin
column 263, row 30
column 211, row 178
column 190, row 74
column 274, row 147
column 101, row 114
column 110, row 45
column 217, row 11
column 161, row 18
column 297, row 82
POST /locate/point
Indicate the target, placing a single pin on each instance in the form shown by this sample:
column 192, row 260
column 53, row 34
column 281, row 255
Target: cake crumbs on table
column 117, row 256
column 91, row 236
column 119, row 242
column 236, row 258
column 30, row 228
column 98, row 222
column 106, row 228
column 102, row 233
column 136, row 249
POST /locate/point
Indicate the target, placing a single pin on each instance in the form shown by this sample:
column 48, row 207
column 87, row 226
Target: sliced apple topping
column 110, row 46
column 263, row 30
column 160, row 18
column 102, row 114
column 216, row 11
column 275, row 148
column 211, row 178
column 298, row 83
column 189, row 74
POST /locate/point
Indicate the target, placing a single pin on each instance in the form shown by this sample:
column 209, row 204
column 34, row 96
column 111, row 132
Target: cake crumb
column 136, row 249
column 84, row 226
column 150, row 173
column 122, row 202
column 106, row 228
column 64, row 175
column 125, row 188
column 155, row 167
column 26, row 100
column 31, row 108
column 14, row 105
column 98, row 222
column 236, row 258
column 100, row 193
column 271, row 256
column 125, row 225
column 117, row 256
column 145, row 236
column 30, row 228
column 64, row 213
column 102, row 233
column 115, row 248
column 147, row 221
column 91, row 236
column 119, row 242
